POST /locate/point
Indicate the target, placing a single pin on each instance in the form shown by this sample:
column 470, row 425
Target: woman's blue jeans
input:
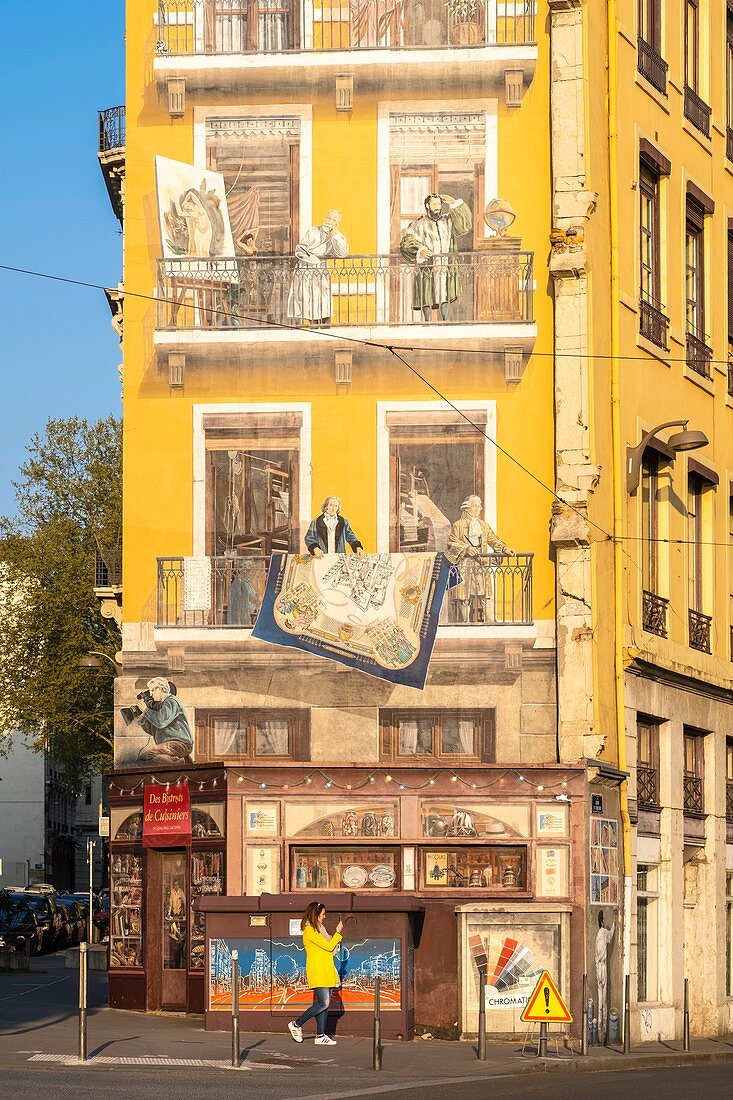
column 319, row 1009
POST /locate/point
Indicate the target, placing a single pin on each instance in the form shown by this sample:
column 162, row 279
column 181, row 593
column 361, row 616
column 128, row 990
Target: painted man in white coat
column 310, row 292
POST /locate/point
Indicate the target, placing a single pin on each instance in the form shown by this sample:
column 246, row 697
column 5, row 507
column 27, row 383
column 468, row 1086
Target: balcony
column 223, row 43
column 223, row 592
column 699, row 355
column 730, row 378
column 729, row 801
column 652, row 66
column 647, row 787
column 729, row 143
column 111, row 156
column 654, row 613
column 248, row 302
column 693, row 794
column 698, row 626
column 697, row 111
column 108, row 584
column 653, row 324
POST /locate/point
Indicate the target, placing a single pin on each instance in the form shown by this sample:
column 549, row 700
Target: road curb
column 603, row 1065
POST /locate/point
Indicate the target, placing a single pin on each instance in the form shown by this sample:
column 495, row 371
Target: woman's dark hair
column 311, row 915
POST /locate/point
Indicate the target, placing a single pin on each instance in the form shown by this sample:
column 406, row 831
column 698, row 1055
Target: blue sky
column 61, row 63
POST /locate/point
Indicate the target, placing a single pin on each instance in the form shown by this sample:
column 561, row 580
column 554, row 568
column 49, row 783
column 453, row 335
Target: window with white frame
column 647, row 932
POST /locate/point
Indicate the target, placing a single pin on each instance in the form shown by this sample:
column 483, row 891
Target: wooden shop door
column 167, row 929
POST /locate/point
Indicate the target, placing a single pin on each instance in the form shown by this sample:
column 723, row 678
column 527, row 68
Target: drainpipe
column 618, row 471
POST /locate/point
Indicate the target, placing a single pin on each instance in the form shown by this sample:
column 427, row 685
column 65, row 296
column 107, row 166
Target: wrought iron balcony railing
column 647, row 787
column 699, row 630
column 274, row 26
column 112, row 129
column 654, row 613
column 697, row 111
column 729, row 143
column 227, row 591
column 729, row 800
column 108, row 570
column 693, row 794
column 653, row 323
column 651, row 65
column 699, row 355
column 274, row 291
column 730, row 378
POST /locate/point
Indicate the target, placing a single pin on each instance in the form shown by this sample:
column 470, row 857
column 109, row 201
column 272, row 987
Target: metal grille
column 729, row 800
column 262, row 291
column 730, row 389
column 112, row 129
column 108, row 570
column 699, row 355
column 652, row 66
column 729, row 143
column 274, row 26
column 693, row 794
column 647, row 786
column 654, row 613
column 653, row 324
column 697, row 111
column 699, row 630
column 497, row 593
column 642, row 947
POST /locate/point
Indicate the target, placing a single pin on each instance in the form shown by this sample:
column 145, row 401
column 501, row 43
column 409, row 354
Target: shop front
column 439, row 872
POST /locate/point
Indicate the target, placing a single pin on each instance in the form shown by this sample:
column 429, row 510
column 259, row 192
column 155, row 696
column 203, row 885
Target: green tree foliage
column 69, row 505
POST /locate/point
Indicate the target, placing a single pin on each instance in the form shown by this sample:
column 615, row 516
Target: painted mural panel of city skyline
column 272, row 975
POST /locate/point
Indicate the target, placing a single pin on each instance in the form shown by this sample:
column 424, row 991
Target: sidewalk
column 38, row 1023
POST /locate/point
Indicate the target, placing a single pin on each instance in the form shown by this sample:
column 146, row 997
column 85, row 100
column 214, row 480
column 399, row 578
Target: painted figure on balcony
column 310, row 291
column 330, row 532
column 164, row 719
column 470, row 542
column 430, row 243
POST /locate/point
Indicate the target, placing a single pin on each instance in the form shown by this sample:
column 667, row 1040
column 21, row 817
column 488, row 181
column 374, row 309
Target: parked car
column 40, row 888
column 77, row 916
column 49, row 919
column 19, row 926
column 81, row 897
column 101, row 917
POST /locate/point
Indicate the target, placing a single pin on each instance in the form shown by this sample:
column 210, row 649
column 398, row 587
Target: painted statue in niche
column 330, row 533
column 470, row 541
column 160, row 715
column 192, row 207
column 430, row 243
column 604, row 936
column 310, row 292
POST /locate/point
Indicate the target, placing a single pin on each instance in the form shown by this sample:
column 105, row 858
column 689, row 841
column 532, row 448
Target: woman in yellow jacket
column 320, row 972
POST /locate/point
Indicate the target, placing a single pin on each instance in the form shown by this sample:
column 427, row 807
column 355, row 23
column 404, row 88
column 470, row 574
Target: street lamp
column 92, row 660
column 681, row 441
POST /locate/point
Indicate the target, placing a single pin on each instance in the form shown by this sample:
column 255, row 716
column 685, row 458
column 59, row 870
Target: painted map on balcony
column 378, row 613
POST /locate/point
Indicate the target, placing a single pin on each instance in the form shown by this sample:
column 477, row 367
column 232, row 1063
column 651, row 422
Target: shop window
column 647, row 766
column 694, row 772
column 458, row 735
column 647, row 932
column 264, row 735
column 175, row 920
column 252, row 502
column 126, row 888
column 260, row 161
column 356, row 868
column 436, row 461
column 207, row 880
column 495, row 868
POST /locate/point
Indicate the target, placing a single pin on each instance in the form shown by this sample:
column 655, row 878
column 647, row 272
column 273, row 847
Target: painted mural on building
column 154, row 730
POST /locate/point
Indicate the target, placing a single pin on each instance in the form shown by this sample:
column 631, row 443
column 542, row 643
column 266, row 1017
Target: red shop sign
column 166, row 816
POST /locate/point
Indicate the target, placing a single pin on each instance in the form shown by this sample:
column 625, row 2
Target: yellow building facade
column 301, row 322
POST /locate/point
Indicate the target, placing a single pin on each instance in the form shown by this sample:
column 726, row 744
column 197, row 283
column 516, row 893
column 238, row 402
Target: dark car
column 18, row 923
column 49, row 919
column 76, row 917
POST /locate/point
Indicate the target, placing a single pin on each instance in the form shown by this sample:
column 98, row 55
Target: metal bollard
column 584, row 1018
column 627, row 1015
column 235, row 1008
column 686, row 1017
column 482, row 1015
column 377, row 1040
column 82, row 1002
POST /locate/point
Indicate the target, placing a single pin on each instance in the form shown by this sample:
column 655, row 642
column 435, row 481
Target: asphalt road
column 76, row 1083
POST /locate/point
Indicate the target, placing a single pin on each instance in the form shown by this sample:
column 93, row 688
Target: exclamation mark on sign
column 547, row 1000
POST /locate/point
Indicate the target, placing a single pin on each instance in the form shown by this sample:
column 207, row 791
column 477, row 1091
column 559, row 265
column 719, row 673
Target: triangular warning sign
column 546, row 1005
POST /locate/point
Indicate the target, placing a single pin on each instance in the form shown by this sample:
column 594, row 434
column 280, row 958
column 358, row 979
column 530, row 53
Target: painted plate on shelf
column 354, row 877
column 383, row 876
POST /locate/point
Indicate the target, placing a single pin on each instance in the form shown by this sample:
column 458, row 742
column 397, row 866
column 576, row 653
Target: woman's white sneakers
column 325, row 1041
column 295, row 1031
